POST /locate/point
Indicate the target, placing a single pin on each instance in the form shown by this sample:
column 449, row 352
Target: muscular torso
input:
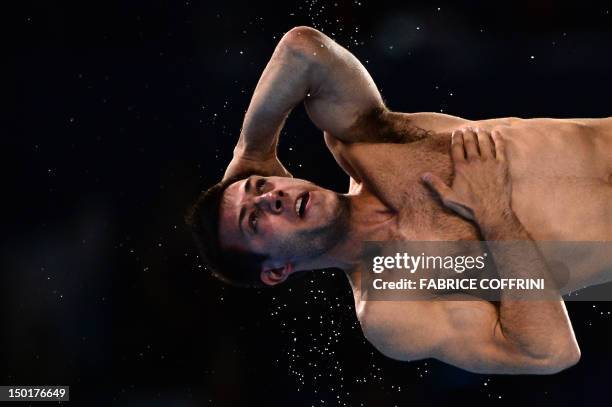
column 561, row 178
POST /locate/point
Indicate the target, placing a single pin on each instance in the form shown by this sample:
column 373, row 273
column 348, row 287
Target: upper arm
column 465, row 333
column 341, row 91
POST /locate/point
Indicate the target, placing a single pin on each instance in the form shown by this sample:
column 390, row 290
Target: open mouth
column 300, row 204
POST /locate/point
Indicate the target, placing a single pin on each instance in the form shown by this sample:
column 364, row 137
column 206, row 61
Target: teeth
column 298, row 203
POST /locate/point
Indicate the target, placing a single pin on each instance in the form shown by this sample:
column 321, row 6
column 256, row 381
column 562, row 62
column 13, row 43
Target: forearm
column 541, row 328
column 283, row 84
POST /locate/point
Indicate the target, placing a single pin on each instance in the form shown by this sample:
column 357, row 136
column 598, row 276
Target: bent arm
column 536, row 334
column 462, row 331
column 337, row 91
column 339, row 95
column 540, row 327
column 307, row 66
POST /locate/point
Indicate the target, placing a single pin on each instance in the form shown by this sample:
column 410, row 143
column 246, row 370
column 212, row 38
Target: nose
column 272, row 201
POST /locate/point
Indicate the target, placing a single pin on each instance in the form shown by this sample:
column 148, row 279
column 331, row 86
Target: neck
column 368, row 220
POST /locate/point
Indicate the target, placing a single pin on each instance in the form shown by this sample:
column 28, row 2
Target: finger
column 485, row 144
column 471, row 148
column 447, row 196
column 461, row 209
column 500, row 147
column 457, row 151
column 437, row 185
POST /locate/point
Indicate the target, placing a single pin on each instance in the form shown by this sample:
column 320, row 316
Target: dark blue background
column 120, row 112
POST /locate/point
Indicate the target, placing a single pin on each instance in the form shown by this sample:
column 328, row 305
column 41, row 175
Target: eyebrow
column 247, row 188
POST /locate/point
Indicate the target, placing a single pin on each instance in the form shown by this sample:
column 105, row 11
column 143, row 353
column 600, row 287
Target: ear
column 271, row 275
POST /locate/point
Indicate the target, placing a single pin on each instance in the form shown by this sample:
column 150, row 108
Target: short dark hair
column 235, row 267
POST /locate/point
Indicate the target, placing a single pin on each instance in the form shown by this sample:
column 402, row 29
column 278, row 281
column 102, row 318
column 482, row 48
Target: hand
column 482, row 188
column 242, row 164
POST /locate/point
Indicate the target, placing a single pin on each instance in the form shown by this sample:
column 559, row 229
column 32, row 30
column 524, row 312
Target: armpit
column 380, row 125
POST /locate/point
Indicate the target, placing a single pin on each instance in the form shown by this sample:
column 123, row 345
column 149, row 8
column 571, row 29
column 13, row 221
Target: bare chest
column 561, row 177
column 392, row 172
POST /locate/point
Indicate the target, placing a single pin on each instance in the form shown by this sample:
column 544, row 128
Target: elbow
column 301, row 40
column 564, row 358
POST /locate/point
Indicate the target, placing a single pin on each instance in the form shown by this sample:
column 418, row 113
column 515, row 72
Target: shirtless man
column 418, row 177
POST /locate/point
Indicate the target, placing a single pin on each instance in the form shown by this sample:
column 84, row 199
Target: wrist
column 495, row 216
column 242, row 151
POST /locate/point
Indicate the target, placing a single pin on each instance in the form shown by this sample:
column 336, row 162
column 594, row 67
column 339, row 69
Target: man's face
column 284, row 218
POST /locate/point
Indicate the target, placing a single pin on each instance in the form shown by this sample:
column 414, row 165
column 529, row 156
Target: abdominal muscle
column 562, row 192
